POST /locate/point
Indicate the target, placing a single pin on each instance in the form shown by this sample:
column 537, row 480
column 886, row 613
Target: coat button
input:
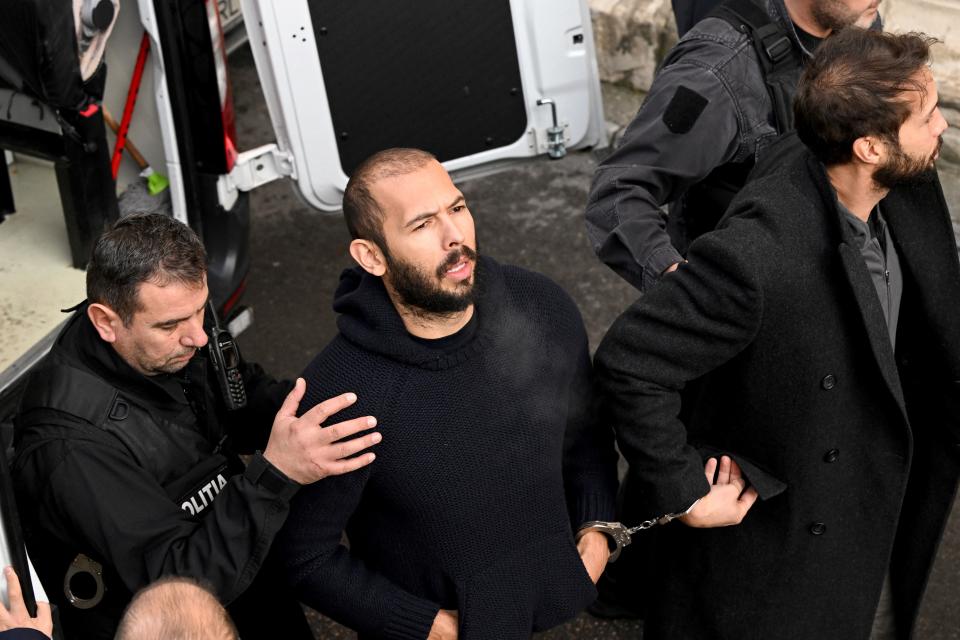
column 818, row 528
column 829, row 381
column 831, row 456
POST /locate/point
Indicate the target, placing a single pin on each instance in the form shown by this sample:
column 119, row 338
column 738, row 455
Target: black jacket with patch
column 708, row 115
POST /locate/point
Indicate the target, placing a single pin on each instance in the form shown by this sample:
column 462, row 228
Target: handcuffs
column 621, row 535
column 83, row 565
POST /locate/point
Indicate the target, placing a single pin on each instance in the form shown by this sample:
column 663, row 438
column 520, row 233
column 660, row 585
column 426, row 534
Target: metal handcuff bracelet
column 621, row 535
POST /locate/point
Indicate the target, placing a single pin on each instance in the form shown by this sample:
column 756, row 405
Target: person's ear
column 869, row 150
column 105, row 320
column 369, row 256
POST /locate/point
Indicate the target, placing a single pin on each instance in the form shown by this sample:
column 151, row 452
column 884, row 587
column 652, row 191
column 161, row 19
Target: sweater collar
column 368, row 318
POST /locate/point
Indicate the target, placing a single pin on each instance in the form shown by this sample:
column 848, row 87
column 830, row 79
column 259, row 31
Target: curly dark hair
column 855, row 86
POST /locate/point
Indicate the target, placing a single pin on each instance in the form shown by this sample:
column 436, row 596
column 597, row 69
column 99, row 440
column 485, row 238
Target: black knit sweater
column 489, row 455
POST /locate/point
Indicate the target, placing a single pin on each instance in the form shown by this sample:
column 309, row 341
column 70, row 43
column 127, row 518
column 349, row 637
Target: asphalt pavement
column 530, row 215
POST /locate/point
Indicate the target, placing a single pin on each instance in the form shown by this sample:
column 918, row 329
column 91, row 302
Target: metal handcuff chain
column 622, row 535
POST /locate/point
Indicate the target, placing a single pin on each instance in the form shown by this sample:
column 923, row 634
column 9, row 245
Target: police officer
column 722, row 94
column 127, row 465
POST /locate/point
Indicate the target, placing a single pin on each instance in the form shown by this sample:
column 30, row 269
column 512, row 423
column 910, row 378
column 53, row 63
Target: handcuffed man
column 820, row 323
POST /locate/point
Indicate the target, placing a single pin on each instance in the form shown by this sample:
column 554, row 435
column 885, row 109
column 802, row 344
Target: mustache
column 454, row 257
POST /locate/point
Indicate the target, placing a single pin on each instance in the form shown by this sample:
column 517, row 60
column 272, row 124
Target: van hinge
column 254, row 168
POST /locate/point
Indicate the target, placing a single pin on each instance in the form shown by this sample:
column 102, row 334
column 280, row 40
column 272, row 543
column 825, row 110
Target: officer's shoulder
column 711, row 42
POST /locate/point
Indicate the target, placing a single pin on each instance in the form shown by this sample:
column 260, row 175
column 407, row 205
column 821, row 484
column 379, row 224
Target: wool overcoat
column 774, row 334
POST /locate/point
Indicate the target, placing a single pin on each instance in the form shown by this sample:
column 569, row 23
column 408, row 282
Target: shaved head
column 362, row 212
column 175, row 609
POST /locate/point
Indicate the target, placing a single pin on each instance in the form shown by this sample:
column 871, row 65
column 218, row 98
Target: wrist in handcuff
column 619, row 536
column 668, row 517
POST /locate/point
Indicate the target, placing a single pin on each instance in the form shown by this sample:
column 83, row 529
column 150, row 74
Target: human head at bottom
column 175, row 609
column 411, row 226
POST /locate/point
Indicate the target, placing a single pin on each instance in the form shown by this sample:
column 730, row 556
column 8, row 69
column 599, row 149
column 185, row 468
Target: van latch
column 555, row 144
column 254, row 168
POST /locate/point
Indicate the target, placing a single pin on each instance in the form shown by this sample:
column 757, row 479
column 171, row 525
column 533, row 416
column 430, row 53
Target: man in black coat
column 127, row 466
column 820, row 323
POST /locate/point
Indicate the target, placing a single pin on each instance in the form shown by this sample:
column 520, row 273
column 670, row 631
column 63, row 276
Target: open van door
column 475, row 83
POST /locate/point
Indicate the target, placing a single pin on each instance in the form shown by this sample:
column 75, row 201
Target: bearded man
column 719, row 99
column 819, row 321
column 470, row 524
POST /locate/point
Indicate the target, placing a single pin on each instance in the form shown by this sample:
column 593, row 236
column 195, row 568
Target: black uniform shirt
column 145, row 490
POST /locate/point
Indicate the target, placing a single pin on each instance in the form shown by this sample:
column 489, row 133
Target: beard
column 835, row 15
column 424, row 294
column 902, row 168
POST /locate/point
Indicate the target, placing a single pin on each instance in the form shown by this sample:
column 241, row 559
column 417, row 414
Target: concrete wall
column 632, row 37
column 941, row 19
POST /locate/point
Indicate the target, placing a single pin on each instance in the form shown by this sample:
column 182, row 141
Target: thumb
column 292, row 401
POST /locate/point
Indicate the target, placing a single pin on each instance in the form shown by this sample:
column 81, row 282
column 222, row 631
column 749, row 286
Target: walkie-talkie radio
column 225, row 359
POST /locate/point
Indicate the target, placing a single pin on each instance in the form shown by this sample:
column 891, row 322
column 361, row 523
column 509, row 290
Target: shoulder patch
column 684, row 109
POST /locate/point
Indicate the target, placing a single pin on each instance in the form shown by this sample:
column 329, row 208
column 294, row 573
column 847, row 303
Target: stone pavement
column 530, row 215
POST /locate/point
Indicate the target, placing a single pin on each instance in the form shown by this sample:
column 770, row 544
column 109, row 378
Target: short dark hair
column 143, row 247
column 854, row 87
column 361, row 210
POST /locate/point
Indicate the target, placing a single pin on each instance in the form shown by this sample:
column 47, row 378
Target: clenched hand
column 445, row 626
column 729, row 499
column 594, row 553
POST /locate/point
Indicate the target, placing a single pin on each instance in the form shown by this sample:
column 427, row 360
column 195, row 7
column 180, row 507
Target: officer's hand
column 18, row 617
column 727, row 503
column 306, row 451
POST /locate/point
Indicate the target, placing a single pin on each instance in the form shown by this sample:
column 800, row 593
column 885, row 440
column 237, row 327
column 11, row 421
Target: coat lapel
column 864, row 292
column 873, row 320
column 920, row 224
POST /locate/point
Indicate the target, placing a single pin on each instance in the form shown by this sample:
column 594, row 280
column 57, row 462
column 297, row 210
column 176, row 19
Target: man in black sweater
column 469, row 523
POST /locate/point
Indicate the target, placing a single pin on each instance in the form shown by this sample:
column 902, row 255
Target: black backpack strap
column 774, row 48
column 75, row 392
